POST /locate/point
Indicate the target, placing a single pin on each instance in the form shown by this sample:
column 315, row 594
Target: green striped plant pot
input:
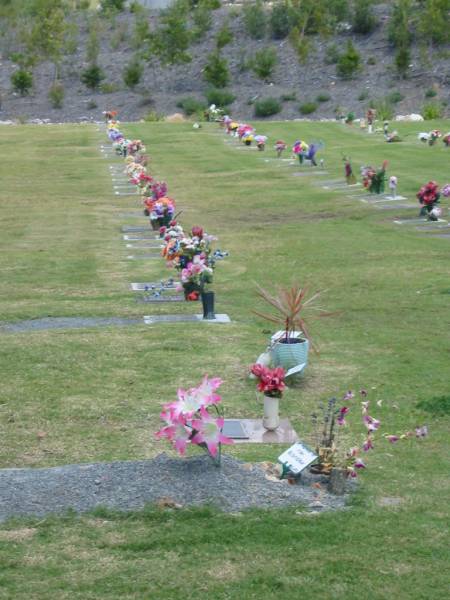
column 290, row 355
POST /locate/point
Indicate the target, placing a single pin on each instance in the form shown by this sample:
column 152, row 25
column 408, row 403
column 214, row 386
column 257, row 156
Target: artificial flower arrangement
column 434, row 136
column 160, row 211
column 348, row 169
column 428, row 197
column 261, row 141
column 446, row 190
column 135, row 146
column 271, row 384
column 446, row 140
column 374, row 180
column 142, row 181
column 280, row 147
column 327, row 433
column 189, row 420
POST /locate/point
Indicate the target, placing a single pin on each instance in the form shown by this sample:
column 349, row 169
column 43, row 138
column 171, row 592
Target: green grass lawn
column 96, row 393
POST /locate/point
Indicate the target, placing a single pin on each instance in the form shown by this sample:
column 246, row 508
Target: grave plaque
column 297, row 458
column 235, row 429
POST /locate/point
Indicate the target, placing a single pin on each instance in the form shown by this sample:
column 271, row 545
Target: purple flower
column 368, row 444
column 359, row 464
column 341, row 418
column 348, row 395
column 421, row 431
column 371, row 423
column 392, row 438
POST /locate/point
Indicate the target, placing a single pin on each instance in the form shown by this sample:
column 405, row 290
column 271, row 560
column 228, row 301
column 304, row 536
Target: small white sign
column 297, row 458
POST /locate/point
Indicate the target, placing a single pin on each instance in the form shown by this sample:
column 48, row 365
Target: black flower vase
column 208, row 305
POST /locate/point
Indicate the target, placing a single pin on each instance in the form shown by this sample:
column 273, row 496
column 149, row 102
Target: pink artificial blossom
column 368, row 444
column 348, row 395
column 359, row 464
column 392, row 438
column 341, row 417
column 209, row 431
column 421, row 431
column 371, row 423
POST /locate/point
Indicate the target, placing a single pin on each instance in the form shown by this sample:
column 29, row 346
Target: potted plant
column 290, row 303
column 271, row 384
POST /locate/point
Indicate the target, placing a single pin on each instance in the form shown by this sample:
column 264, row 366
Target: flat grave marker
column 145, row 246
column 136, row 228
column 144, row 257
column 125, row 193
column 161, row 299
column 420, row 220
column 309, row 174
column 252, row 431
column 147, row 286
column 155, row 319
column 138, row 238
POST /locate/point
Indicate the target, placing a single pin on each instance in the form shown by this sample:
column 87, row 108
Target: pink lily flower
column 392, row 438
column 365, row 406
column 209, row 432
column 187, row 404
column 349, row 395
column 371, row 423
column 181, row 436
column 368, row 444
column 205, row 391
column 359, row 464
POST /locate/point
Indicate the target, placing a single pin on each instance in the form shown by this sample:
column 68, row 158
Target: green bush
column 307, row 108
column 92, row 76
column 363, row 95
column 289, row 97
column 430, row 93
column 112, row 5
column 202, row 21
column 323, row 97
column 371, row 60
column 364, row 20
column 219, row 97
column 108, row 88
column 56, row 95
column 91, row 105
column 153, row 116
column 349, row 63
column 402, row 60
column 331, row 55
column 280, row 21
column 385, row 111
column 22, row 81
column 191, row 105
column 432, row 110
column 132, row 74
column 267, row 107
column 216, row 71
column 264, row 62
column 395, row 97
column 224, row 37
column 255, row 20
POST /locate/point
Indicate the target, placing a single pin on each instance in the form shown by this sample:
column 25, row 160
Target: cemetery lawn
column 90, row 395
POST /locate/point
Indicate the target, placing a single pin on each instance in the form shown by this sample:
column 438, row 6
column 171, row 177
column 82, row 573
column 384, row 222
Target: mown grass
column 96, row 393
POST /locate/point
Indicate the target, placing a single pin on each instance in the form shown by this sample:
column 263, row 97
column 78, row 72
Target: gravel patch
column 164, row 480
column 66, row 323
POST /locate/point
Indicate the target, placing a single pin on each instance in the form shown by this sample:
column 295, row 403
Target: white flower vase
column 271, row 418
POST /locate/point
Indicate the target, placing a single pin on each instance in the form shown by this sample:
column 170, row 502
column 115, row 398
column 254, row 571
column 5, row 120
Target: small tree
column 349, row 63
column 112, row 5
column 216, row 71
column 403, row 60
column 364, row 20
column 267, row 107
column 255, row 20
column 133, row 73
column 264, row 62
column 280, row 20
column 202, row 20
column 92, row 76
column 56, row 95
column 22, row 81
column 224, row 36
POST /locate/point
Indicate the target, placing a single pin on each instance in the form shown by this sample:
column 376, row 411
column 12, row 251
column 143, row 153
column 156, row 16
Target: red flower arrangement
column 428, row 193
column 271, row 381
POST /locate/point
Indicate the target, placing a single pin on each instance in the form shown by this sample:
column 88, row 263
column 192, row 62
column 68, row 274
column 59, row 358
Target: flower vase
column 271, row 418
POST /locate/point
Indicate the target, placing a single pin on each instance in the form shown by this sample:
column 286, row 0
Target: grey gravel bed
column 65, row 323
column 131, row 485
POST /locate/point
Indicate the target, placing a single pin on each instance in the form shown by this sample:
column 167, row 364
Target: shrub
column 364, row 20
column 22, row 81
column 56, row 95
column 224, row 37
column 385, row 111
column 402, row 60
column 202, row 20
column 153, row 116
column 280, row 21
column 372, row 60
column 363, row 95
column 323, row 97
column 255, row 20
column 264, row 62
column 395, row 97
column 267, row 107
column 132, row 74
column 191, row 105
column 432, row 110
column 91, row 105
column 108, row 88
column 430, row 93
column 219, row 97
column 112, row 5
column 92, row 76
column 349, row 63
column 307, row 108
column 331, row 55
column 289, row 97
column 216, row 71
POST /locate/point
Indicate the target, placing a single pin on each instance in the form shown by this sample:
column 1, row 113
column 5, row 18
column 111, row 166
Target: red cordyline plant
column 270, row 381
column 327, row 434
column 290, row 304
